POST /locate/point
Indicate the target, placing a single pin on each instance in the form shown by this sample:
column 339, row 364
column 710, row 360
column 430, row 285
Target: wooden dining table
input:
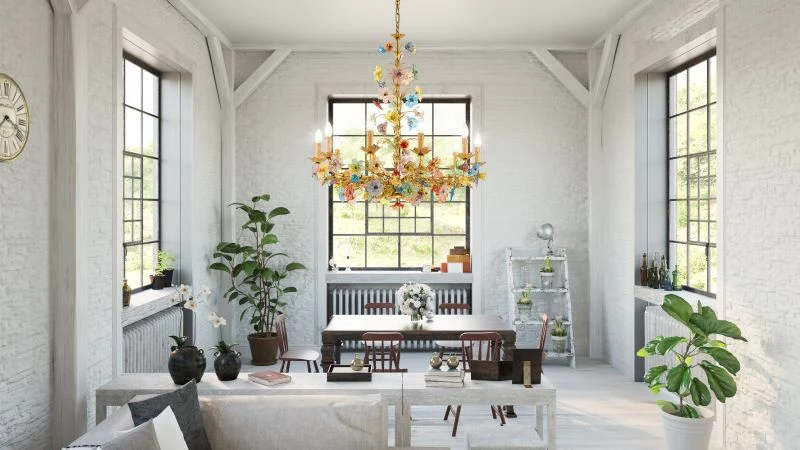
column 440, row 328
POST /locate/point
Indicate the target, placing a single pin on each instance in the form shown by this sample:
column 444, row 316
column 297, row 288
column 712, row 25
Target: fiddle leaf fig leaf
column 279, row 211
column 700, row 393
column 724, row 358
column 720, row 381
column 675, row 377
column 294, row 266
column 678, row 308
column 654, row 373
column 668, row 344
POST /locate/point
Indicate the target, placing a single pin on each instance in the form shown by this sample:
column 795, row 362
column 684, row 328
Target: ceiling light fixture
column 414, row 175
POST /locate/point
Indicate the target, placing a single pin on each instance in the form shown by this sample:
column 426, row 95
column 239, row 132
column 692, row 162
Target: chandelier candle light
column 410, row 180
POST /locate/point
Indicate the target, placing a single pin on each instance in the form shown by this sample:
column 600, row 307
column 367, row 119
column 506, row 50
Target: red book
column 269, row 378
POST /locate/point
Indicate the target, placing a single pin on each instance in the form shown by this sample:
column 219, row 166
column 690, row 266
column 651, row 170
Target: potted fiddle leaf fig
column 687, row 424
column 257, row 275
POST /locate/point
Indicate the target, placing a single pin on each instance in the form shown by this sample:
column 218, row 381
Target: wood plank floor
column 597, row 409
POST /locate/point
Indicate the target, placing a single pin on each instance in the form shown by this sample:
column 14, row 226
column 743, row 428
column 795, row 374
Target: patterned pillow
column 186, row 407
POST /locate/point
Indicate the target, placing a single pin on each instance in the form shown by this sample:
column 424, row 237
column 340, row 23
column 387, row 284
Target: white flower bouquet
column 414, row 299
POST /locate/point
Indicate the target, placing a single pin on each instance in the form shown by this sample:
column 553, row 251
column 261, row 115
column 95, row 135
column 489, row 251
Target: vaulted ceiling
column 564, row 24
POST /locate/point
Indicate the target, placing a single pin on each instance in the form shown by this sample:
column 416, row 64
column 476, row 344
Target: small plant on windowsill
column 165, row 267
column 687, row 428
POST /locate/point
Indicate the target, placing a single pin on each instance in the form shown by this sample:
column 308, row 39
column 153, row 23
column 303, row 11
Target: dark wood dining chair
column 383, row 348
column 379, row 308
column 543, row 333
column 447, row 309
column 478, row 346
column 286, row 355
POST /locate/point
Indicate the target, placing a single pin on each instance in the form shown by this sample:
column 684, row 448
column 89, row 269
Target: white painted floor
column 597, row 409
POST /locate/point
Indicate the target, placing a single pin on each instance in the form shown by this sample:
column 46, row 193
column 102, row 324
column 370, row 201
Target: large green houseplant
column 257, row 276
column 687, row 428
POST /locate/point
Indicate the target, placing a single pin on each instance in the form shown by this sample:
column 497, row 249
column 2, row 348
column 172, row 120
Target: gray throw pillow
column 142, row 437
column 186, row 407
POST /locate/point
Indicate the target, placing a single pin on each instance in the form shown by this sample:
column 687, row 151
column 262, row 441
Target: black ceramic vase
column 227, row 366
column 186, row 363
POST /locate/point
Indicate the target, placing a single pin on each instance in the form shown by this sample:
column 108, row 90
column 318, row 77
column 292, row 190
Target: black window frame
column 684, row 266
column 139, row 202
column 467, row 101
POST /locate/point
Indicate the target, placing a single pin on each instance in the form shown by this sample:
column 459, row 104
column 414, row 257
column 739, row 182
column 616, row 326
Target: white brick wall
column 25, row 316
column 160, row 19
column 534, row 140
column 762, row 211
column 659, row 23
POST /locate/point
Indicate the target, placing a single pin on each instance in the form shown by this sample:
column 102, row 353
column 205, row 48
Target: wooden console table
column 399, row 389
column 441, row 328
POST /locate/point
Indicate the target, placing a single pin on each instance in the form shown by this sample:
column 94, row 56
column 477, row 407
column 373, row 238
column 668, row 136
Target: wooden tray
column 343, row 372
column 491, row 370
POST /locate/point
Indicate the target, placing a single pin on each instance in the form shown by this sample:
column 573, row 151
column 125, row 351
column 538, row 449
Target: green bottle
column 676, row 279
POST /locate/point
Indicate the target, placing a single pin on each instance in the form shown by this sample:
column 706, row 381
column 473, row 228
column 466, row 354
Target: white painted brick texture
column 659, row 23
column 25, row 315
column 534, row 141
column 762, row 212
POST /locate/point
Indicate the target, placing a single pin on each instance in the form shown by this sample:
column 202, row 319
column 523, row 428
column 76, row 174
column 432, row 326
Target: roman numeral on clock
column 6, row 87
column 22, row 122
column 20, row 135
column 20, row 108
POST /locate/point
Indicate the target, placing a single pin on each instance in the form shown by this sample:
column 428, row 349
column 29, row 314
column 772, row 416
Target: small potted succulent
column 687, row 422
column 165, row 266
column 547, row 274
column 227, row 362
column 558, row 335
column 524, row 306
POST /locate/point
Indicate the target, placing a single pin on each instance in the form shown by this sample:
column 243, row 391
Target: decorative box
column 491, row 370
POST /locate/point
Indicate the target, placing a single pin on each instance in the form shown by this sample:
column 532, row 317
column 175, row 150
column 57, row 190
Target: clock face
column 14, row 119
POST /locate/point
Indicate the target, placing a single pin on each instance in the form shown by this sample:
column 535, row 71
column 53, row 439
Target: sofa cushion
column 186, row 407
column 295, row 422
column 142, row 437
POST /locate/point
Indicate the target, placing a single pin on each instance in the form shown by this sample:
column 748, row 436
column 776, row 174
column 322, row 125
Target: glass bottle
column 652, row 276
column 126, row 293
column 357, row 363
column 662, row 272
column 643, row 271
column 677, row 283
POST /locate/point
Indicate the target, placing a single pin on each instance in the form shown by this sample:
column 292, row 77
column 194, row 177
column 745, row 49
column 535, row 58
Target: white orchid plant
column 185, row 298
column 414, row 299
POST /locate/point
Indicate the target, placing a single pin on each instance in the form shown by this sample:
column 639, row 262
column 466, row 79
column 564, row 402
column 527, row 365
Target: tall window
column 377, row 236
column 140, row 195
column 693, row 173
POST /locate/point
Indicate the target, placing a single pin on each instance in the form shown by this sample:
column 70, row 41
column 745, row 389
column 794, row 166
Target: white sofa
column 276, row 422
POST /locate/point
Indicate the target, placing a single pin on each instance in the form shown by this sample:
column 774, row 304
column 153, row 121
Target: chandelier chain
column 397, row 16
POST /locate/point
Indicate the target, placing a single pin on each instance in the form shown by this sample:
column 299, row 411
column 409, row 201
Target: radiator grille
column 146, row 343
column 351, row 300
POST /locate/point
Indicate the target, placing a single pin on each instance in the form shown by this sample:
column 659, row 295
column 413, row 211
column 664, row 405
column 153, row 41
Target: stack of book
column 444, row 378
column 269, row 378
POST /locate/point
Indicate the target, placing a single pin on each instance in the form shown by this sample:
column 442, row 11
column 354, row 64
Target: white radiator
column 146, row 343
column 344, row 299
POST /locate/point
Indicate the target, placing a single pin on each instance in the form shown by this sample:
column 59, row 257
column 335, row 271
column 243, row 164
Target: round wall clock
column 14, row 119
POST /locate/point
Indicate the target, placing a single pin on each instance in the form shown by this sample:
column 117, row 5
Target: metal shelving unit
column 552, row 301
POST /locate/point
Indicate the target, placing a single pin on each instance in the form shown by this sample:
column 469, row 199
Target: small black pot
column 186, row 363
column 162, row 281
column 227, row 366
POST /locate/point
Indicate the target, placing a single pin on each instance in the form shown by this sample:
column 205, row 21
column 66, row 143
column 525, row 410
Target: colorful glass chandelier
column 412, row 179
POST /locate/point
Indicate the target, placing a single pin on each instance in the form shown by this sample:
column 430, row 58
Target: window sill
column 656, row 296
column 146, row 303
column 396, row 277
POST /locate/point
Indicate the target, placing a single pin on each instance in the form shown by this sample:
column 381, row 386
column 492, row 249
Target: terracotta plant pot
column 227, row 366
column 186, row 363
column 263, row 348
